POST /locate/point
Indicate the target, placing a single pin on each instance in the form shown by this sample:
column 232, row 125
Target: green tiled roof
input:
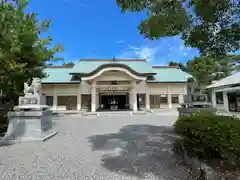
column 89, row 66
column 58, row 75
column 169, row 74
column 163, row 74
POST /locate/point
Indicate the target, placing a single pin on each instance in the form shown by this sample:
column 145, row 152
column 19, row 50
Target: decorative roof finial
column 114, row 59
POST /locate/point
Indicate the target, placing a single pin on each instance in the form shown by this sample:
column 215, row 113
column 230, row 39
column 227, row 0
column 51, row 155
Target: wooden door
column 71, row 102
column 86, row 101
column 154, row 101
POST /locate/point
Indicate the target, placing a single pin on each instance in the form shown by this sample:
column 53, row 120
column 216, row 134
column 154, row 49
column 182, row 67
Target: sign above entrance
column 114, row 88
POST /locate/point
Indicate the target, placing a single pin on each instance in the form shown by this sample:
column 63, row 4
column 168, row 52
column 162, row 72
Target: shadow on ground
column 140, row 150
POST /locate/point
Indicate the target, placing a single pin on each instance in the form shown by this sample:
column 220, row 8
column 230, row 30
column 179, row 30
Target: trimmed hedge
column 209, row 136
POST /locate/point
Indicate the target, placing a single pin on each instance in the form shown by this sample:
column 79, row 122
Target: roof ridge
column 176, row 67
column 59, row 67
column 112, row 60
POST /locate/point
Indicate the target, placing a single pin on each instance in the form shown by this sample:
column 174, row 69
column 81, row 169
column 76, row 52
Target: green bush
column 206, row 135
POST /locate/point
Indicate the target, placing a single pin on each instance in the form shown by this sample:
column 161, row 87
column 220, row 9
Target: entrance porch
column 119, row 101
column 115, row 96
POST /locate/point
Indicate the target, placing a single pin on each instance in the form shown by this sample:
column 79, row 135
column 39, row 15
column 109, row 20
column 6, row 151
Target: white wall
column 66, row 89
column 47, row 89
column 168, row 88
column 85, row 88
column 141, row 88
column 157, row 88
column 60, row 90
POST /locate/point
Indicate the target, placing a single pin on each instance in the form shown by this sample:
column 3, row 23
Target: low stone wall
column 188, row 111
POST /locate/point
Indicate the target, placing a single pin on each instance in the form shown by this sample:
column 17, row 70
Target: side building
column 226, row 93
column 94, row 85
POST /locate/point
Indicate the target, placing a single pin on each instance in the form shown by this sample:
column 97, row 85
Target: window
column 219, row 97
column 200, row 98
column 163, row 99
column 175, row 98
column 49, row 100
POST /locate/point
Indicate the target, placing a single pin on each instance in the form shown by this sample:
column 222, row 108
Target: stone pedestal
column 32, row 100
column 30, row 121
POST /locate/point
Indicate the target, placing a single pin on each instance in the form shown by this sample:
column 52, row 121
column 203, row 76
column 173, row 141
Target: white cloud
column 143, row 52
column 161, row 52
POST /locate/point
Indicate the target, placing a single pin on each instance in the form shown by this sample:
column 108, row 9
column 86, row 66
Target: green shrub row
column 209, row 136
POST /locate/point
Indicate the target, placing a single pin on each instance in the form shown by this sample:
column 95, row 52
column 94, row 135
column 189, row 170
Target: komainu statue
column 34, row 88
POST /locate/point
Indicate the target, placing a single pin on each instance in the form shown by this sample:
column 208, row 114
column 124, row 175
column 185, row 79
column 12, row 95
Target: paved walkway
column 98, row 148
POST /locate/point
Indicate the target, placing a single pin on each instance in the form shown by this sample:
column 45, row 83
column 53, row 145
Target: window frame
column 165, row 97
column 219, row 97
column 175, row 96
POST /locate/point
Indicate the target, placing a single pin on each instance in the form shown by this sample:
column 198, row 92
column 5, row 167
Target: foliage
column 68, row 65
column 212, row 26
column 206, row 69
column 209, row 136
column 180, row 65
column 23, row 51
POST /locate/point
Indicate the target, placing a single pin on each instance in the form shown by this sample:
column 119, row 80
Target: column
column 169, row 97
column 79, row 102
column 214, row 104
column 225, row 101
column 134, row 96
column 93, row 100
column 147, row 97
column 54, row 99
column 97, row 100
column 181, row 98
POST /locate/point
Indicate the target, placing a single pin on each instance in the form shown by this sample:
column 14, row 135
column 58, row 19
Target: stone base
column 45, row 137
column 31, row 123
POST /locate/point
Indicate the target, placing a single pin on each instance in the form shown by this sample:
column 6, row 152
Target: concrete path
column 98, row 148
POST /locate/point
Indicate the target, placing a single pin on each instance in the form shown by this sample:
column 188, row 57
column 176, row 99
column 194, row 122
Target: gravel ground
column 97, row 148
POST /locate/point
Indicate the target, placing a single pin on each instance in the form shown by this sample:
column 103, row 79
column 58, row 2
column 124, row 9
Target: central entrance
column 114, row 102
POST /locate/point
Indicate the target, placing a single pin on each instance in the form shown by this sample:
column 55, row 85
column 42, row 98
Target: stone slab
column 32, row 108
column 36, row 113
column 13, row 141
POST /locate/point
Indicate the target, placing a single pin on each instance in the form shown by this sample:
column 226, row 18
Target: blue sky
column 97, row 29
